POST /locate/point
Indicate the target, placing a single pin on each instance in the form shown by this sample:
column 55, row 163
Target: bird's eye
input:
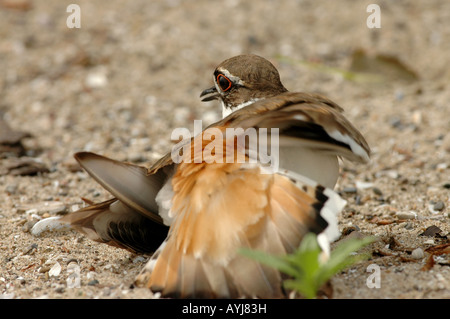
column 223, row 82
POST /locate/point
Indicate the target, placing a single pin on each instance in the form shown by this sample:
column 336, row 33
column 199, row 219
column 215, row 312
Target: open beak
column 210, row 94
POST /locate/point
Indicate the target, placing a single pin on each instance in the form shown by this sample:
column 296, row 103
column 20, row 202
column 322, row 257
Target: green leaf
column 279, row 263
column 303, row 266
column 341, row 257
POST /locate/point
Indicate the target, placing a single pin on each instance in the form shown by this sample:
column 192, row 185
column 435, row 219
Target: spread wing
column 130, row 220
column 303, row 119
column 221, row 207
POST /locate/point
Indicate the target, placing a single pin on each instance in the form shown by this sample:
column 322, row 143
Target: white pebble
column 138, row 259
column 417, row 253
column 363, row 185
column 90, row 275
column 55, row 270
column 406, row 215
column 96, row 80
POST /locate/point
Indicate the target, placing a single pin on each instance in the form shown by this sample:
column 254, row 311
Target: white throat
column 227, row 111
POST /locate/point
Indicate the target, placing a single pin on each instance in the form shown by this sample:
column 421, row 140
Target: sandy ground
column 133, row 72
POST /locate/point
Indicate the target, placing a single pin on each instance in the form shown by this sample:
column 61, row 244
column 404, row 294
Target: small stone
column 96, row 80
column 396, row 122
column 347, row 230
column 349, row 190
column 409, row 226
column 358, row 200
column 44, row 269
column 55, row 270
column 417, row 253
column 28, row 225
column 417, row 117
column 21, row 280
column 31, row 249
column 439, row 206
column 377, row 191
column 406, row 215
column 90, row 275
column 93, row 282
column 432, row 231
column 138, row 259
column 363, row 185
column 392, row 174
column 11, row 189
column 59, row 290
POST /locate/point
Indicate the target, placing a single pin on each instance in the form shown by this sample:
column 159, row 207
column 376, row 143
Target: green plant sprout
column 308, row 273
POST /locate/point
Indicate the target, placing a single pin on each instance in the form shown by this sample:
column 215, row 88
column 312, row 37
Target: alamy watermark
column 374, row 279
column 231, row 145
column 73, row 280
column 374, row 19
column 74, row 19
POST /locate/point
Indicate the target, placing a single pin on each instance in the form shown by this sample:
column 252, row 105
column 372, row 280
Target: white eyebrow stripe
column 234, row 79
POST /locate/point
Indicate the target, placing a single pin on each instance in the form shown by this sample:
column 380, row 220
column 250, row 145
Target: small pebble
column 406, row 215
column 363, row 185
column 96, row 80
column 59, row 290
column 417, row 253
column 27, row 226
column 90, row 275
column 139, row 259
column 409, row 226
column 11, row 189
column 55, row 270
column 44, row 269
column 439, row 206
column 93, row 282
column 349, row 190
column 347, row 230
column 358, row 200
column 31, row 249
column 377, row 191
column 432, row 231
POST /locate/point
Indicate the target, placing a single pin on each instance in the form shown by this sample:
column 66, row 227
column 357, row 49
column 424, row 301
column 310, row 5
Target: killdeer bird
column 193, row 216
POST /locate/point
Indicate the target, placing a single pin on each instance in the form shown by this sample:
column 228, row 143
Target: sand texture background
column 133, row 72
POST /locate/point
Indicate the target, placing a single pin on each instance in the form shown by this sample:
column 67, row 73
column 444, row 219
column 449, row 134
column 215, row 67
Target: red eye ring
column 224, row 86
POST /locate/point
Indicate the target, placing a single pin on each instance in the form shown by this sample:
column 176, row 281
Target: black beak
column 211, row 94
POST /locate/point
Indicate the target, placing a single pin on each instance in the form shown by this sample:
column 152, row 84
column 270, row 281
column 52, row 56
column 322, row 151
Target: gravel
column 133, row 72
